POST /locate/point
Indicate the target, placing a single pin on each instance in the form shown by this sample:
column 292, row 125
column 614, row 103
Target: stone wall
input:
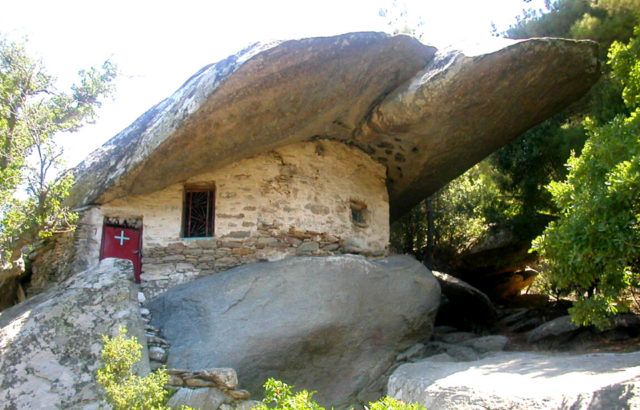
column 180, row 262
column 296, row 200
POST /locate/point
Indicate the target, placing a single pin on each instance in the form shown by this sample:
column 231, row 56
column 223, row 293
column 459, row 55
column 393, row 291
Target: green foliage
column 604, row 21
column 125, row 390
column 279, row 396
column 462, row 208
column 32, row 112
column 523, row 169
column 389, row 403
column 595, row 244
column 460, row 215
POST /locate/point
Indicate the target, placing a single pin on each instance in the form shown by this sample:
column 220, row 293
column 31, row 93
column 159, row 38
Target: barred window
column 198, row 218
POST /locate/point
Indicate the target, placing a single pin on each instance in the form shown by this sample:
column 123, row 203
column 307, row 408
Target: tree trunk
column 430, row 234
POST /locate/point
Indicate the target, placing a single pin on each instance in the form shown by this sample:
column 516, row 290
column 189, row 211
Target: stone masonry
column 181, row 262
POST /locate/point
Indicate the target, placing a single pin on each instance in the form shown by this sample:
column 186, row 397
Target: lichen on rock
column 51, row 343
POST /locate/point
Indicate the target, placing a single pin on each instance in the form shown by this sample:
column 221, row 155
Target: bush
column 125, row 390
column 279, row 395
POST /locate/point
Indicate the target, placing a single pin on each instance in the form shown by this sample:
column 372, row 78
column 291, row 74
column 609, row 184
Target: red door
column 123, row 243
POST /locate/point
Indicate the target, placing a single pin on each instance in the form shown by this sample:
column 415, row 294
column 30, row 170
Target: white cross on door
column 122, row 238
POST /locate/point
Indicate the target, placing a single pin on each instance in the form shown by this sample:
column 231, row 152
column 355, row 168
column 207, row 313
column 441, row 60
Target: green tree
column 461, row 212
column 32, row 112
column 594, row 246
column 604, row 21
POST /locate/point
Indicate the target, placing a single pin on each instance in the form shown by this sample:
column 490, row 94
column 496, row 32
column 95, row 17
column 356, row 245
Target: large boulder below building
column 331, row 324
column 50, row 344
column 427, row 115
column 523, row 381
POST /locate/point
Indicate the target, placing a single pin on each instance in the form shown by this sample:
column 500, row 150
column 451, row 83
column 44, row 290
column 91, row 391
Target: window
column 359, row 213
column 198, row 218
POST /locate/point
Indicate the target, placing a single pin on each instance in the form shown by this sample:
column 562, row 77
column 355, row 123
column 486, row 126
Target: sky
column 158, row 44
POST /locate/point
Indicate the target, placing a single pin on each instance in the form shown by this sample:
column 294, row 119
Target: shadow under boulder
column 331, row 324
column 462, row 306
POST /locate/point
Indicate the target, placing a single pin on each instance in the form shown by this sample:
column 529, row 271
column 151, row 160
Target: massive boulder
column 331, row 324
column 50, row 344
column 427, row 115
column 523, row 381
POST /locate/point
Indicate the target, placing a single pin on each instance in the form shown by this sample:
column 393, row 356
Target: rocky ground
column 528, row 355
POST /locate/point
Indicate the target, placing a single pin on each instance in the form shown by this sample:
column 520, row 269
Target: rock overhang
column 427, row 115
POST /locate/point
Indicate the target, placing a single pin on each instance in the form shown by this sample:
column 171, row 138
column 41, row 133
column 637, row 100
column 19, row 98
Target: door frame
column 136, row 275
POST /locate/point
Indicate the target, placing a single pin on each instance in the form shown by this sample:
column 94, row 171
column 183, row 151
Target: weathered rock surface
column 463, row 306
column 331, row 324
column 493, row 343
column 563, row 334
column 201, row 399
column 523, row 381
column 427, row 116
column 50, row 343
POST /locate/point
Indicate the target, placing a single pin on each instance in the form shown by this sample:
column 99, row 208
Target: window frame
column 360, row 209
column 187, row 210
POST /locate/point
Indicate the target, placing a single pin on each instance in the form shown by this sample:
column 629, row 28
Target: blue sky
column 159, row 44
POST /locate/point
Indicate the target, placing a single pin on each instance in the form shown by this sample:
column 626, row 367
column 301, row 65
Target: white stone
column 523, row 381
column 158, row 354
column 184, row 267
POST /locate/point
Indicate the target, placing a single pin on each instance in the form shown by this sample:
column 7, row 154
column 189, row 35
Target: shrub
column 279, row 395
column 125, row 390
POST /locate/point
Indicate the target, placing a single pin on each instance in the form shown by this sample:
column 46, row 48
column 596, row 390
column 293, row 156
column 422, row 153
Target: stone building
column 310, row 198
column 304, row 147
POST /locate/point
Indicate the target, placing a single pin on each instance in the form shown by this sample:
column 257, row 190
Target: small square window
column 199, row 211
column 359, row 213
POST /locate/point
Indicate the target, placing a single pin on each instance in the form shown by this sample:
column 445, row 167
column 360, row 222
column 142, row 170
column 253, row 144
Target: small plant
column 389, row 403
column 280, row 397
column 125, row 390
